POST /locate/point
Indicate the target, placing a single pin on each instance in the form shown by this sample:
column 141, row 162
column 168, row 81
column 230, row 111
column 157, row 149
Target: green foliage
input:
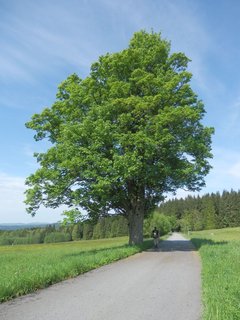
column 229, row 209
column 220, row 255
column 27, row 268
column 72, row 217
column 57, row 237
column 107, row 227
column 207, row 212
column 5, row 241
column 99, row 230
column 163, row 223
column 122, row 137
column 87, row 231
column 22, row 240
column 77, row 232
column 23, row 236
column 192, row 220
column 119, row 227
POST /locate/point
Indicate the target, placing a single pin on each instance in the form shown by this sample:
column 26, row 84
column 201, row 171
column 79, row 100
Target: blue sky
column 42, row 42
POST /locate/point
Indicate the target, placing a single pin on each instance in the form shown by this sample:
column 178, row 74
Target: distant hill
column 15, row 226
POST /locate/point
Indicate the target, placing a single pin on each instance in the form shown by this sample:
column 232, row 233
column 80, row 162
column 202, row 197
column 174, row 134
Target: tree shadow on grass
column 95, row 251
column 146, row 245
column 198, row 242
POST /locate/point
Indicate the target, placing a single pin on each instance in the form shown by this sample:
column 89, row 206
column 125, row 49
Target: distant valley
column 16, row 226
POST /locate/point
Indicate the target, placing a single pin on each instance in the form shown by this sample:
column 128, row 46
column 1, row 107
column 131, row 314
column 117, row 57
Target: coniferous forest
column 211, row 211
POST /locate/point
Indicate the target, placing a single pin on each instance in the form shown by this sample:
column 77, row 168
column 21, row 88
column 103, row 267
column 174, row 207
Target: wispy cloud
column 179, row 22
column 234, row 170
column 12, row 208
column 225, row 174
column 11, row 198
column 231, row 124
column 32, row 46
column 72, row 34
column 76, row 34
column 8, row 183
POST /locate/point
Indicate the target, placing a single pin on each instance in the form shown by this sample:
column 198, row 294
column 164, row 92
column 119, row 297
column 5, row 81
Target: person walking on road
column 155, row 236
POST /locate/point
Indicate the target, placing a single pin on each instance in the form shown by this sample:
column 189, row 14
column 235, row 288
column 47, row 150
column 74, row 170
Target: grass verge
column 25, row 269
column 220, row 254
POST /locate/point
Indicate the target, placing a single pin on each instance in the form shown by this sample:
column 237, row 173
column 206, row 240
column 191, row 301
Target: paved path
column 161, row 285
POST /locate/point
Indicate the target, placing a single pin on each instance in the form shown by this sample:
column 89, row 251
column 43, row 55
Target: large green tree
column 122, row 137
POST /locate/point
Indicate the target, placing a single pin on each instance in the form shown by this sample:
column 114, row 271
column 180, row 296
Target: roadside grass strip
column 220, row 254
column 25, row 269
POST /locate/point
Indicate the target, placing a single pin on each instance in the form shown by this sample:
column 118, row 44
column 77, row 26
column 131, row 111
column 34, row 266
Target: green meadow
column 220, row 254
column 27, row 268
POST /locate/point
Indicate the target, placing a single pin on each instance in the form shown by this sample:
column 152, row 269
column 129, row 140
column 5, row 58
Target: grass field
column 220, row 254
column 25, row 269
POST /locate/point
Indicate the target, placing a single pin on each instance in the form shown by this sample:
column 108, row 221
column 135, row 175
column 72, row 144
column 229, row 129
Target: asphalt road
column 161, row 285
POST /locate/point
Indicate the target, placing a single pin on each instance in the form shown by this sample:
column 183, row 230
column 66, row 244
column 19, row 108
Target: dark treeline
column 108, row 227
column 211, row 211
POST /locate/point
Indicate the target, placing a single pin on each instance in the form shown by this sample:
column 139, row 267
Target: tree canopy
column 122, row 137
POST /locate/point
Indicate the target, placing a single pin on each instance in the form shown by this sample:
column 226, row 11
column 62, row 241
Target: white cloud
column 234, row 170
column 8, row 183
column 11, row 198
column 231, row 123
column 12, row 208
column 28, row 150
column 225, row 173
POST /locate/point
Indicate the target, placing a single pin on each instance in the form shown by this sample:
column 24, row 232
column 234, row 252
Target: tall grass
column 220, row 253
column 25, row 269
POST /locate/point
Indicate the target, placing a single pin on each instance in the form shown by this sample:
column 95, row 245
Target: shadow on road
column 184, row 245
column 175, row 245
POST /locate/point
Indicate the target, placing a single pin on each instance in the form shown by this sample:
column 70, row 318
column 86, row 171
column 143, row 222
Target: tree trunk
column 135, row 222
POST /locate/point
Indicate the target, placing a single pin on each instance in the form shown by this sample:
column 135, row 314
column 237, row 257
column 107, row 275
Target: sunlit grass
column 27, row 268
column 220, row 253
column 227, row 234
